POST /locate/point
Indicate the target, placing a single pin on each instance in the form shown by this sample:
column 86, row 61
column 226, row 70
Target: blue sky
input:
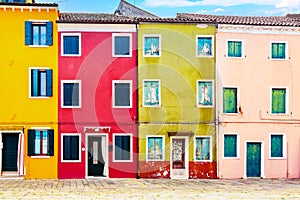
column 169, row 8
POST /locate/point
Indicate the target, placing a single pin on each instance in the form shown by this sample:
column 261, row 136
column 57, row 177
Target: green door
column 253, row 159
column 10, row 152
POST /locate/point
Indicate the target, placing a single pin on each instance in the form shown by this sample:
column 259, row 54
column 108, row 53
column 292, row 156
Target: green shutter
column 230, row 100
column 230, row 146
column 278, row 101
column 31, row 142
column 276, row 146
column 51, row 142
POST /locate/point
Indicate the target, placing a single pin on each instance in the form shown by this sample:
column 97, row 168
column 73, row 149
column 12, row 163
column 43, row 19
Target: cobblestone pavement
column 150, row 189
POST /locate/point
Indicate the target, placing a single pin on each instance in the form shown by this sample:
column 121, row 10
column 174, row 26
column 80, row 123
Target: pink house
column 97, row 102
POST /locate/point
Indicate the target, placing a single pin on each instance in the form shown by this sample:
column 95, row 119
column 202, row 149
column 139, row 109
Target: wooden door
column 253, row 159
column 10, row 152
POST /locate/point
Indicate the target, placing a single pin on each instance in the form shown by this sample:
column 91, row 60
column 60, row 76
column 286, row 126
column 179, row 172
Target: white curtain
column 104, row 154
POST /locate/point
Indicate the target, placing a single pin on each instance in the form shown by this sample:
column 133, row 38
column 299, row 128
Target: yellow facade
column 18, row 108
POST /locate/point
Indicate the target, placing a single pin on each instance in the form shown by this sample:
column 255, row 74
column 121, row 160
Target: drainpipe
column 216, row 108
column 136, row 121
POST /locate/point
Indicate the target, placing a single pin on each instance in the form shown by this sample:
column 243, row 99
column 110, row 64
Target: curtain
column 104, row 155
column 278, row 100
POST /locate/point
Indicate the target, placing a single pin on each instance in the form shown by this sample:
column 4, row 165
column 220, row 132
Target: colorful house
column 28, row 120
column 97, row 102
column 176, row 107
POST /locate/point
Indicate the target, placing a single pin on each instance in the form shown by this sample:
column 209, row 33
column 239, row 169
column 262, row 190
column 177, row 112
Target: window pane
column 234, row 48
column 230, row 100
column 202, row 148
column 71, row 94
column 205, row 92
column 70, row 147
column 151, row 46
column 43, row 83
column 37, row 147
column 230, row 146
column 122, row 45
column 43, row 35
column 122, row 94
column 66, row 148
column 155, row 148
column 71, row 45
column 278, row 50
column 122, row 148
column 278, row 101
column 204, row 46
column 45, row 142
column 151, row 93
column 39, row 34
column 276, row 146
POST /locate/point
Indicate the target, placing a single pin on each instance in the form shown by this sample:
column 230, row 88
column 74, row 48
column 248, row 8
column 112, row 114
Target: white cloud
column 219, row 10
column 288, row 4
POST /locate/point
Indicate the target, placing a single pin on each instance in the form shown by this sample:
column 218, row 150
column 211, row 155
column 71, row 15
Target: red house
column 97, row 102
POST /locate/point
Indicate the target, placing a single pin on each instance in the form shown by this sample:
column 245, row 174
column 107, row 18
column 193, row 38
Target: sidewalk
column 150, row 189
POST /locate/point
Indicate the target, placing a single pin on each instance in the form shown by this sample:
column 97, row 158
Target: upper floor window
column 40, row 142
column 38, row 33
column 71, row 44
column 121, row 45
column 279, row 50
column 230, row 100
column 151, row 93
column 279, row 100
column 235, row 49
column 40, row 82
column 70, row 93
column 122, row 90
column 152, row 46
column 205, row 46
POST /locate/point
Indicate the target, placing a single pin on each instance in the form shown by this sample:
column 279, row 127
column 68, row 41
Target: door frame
column 262, row 158
column 106, row 166
column 186, row 162
column 20, row 160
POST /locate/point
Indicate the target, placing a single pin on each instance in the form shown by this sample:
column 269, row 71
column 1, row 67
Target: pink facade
column 256, row 128
column 90, row 116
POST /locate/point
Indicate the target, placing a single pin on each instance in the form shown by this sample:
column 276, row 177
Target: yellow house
column 28, row 103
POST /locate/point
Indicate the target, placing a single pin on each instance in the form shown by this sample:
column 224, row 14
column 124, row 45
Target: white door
column 179, row 157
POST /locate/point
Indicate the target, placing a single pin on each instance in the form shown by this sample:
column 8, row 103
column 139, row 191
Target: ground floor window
column 202, row 148
column 122, row 147
column 230, row 146
column 71, row 148
column 40, row 142
column 277, row 146
column 155, row 148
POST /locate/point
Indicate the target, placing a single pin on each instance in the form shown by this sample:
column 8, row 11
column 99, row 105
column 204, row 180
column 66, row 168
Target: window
column 155, row 148
column 277, row 146
column 40, row 82
column 122, row 147
column 278, row 50
column 202, row 149
column 205, row 46
column 122, row 94
column 71, row 94
column 71, row 44
column 235, row 49
column 230, row 100
column 121, row 45
column 40, row 142
column 279, row 101
column 230, row 146
column 205, row 93
column 151, row 93
column 152, row 46
column 71, row 144
column 38, row 33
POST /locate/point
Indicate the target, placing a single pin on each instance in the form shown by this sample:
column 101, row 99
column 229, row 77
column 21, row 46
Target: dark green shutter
column 49, row 33
column 51, row 142
column 31, row 142
column 230, row 146
column 28, row 33
column 276, row 146
column 49, row 81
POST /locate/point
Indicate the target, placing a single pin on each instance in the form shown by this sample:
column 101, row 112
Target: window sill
column 231, row 114
column 71, row 107
column 202, row 160
column 39, row 97
column 38, row 46
column 231, row 158
column 122, row 107
column 122, row 161
column 199, row 106
column 71, row 161
column 148, row 56
column 39, row 156
column 277, row 158
column 122, row 56
column 197, row 56
column 70, row 55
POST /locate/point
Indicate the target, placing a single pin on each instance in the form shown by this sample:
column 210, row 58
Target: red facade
column 96, row 124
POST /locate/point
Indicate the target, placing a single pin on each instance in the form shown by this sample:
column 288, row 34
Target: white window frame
column 42, row 22
column 62, row 148
column 286, row 50
column 41, row 129
column 286, row 100
column 212, row 44
column 62, row 93
column 160, row 47
column 237, row 146
column 197, row 99
column 210, row 148
column 159, row 95
column 131, row 147
column 163, row 147
column 243, row 48
column 238, row 99
column 62, row 44
column 114, row 35
column 29, row 85
column 284, row 147
column 113, row 93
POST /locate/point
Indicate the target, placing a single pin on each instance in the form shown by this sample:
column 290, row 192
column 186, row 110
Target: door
column 253, row 159
column 10, row 152
column 97, row 152
column 179, row 158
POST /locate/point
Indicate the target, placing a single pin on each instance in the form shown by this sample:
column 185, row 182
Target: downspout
column 136, row 121
column 216, row 108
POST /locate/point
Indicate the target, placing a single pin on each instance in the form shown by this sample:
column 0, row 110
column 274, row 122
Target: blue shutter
column 126, row 148
column 118, row 148
column 75, row 148
column 49, row 83
column 51, row 142
column 34, row 83
column 28, row 33
column 67, row 148
column 31, row 142
column 49, row 33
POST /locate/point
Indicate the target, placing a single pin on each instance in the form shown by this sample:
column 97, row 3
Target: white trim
column 62, row 93
column 131, row 146
column 113, row 93
column 237, row 146
column 210, row 148
column 262, row 158
column 238, row 99
column 159, row 91
column 283, row 147
column 83, row 27
column 106, row 165
column 114, row 35
column 29, row 84
column 39, row 156
column 286, row 100
column 62, row 44
column 186, row 157
column 243, row 48
column 62, row 148
column 212, row 93
column 159, row 41
column 163, row 147
column 286, row 50
column 212, row 46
